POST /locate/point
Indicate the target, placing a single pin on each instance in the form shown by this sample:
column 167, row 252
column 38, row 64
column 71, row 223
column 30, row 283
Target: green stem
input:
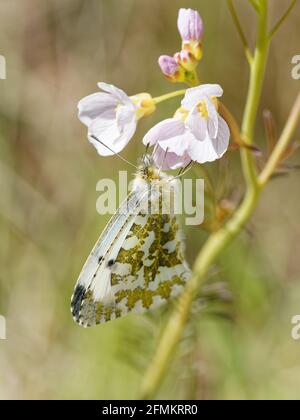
column 282, row 144
column 192, row 80
column 240, row 31
column 167, row 96
column 217, row 241
column 257, row 72
column 282, row 19
column 254, row 5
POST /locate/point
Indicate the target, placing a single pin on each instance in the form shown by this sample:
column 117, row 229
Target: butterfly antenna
column 164, row 159
column 146, row 153
column 183, row 171
column 180, row 172
column 187, row 168
column 120, row 156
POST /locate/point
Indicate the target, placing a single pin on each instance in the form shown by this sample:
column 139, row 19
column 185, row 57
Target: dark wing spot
column 77, row 300
column 110, row 263
column 100, row 259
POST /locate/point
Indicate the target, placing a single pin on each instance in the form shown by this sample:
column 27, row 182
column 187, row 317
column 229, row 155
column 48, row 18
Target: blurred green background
column 238, row 344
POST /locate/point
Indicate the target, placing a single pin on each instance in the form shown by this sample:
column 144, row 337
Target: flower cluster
column 181, row 66
column 196, row 132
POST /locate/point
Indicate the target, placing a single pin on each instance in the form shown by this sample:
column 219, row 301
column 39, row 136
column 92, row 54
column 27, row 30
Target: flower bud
column 171, row 68
column 186, row 59
column 190, row 25
column 194, row 48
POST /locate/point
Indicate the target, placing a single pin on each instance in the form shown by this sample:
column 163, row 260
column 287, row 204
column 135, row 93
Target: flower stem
column 282, row 19
column 257, row 72
column 218, row 240
column 239, row 28
column 254, row 5
column 282, row 144
column 167, row 96
column 192, row 80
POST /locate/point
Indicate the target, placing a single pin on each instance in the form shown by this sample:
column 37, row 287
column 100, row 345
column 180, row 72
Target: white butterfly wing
column 137, row 264
column 99, row 257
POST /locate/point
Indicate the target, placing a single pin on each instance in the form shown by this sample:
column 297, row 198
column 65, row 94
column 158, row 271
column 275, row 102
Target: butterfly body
column 138, row 262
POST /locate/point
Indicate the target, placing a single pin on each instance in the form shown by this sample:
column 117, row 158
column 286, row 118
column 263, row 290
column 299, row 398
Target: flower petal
column 169, row 160
column 125, row 116
column 178, row 144
column 95, row 105
column 107, row 134
column 210, row 149
column 115, row 92
column 197, row 124
column 212, row 123
column 222, row 140
column 168, row 65
column 195, row 95
column 164, row 130
column 110, row 136
column 190, row 25
column 127, row 123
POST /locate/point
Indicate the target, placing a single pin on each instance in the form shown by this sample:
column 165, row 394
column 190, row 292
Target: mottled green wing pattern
column 150, row 269
column 142, row 268
column 152, row 257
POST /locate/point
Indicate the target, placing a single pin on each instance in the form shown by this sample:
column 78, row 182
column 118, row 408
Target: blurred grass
column 56, row 52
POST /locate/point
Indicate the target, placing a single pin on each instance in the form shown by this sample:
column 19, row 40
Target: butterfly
column 138, row 262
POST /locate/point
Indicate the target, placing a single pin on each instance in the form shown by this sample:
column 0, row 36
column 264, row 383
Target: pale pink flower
column 197, row 130
column 111, row 116
column 203, row 119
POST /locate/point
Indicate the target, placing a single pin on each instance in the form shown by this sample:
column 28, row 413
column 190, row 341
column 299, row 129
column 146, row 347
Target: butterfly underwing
column 138, row 262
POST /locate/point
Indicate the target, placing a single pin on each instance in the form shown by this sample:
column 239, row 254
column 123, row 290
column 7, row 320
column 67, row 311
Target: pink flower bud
column 168, row 65
column 190, row 25
column 171, row 68
column 186, row 59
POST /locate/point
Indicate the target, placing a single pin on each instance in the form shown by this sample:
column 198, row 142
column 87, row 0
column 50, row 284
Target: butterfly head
column 148, row 171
